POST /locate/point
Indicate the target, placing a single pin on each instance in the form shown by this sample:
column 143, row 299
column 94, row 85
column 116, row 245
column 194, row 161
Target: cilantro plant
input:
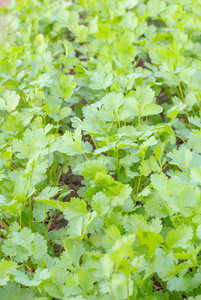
column 107, row 92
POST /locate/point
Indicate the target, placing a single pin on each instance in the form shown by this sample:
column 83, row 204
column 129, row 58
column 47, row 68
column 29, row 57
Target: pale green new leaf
column 71, row 143
column 75, row 208
column 6, row 268
column 179, row 237
column 9, row 101
column 181, row 158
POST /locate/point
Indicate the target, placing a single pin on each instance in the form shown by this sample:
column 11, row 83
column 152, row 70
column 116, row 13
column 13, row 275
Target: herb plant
column 107, row 92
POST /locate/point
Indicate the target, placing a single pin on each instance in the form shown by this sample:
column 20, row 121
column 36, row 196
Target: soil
column 73, row 182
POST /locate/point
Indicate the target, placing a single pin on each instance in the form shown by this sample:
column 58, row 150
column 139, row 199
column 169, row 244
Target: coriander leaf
column 9, row 101
column 72, row 144
column 179, row 237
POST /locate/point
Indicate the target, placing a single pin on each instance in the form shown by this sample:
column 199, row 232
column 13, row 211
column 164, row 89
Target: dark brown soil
column 73, row 182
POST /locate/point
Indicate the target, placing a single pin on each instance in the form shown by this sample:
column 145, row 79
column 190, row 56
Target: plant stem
column 30, row 212
column 139, row 124
column 5, row 226
column 20, row 220
column 113, row 297
column 90, row 242
column 117, row 165
column 1, row 233
column 94, row 141
column 167, row 92
column 45, row 229
column 137, row 61
column 49, row 223
column 163, row 285
column 182, row 96
column 85, row 155
column 128, row 292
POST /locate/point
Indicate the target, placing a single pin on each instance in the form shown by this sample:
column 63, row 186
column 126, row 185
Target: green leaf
column 181, row 158
column 195, row 175
column 149, row 241
column 179, row 237
column 6, row 268
column 9, row 101
column 25, row 244
column 175, row 110
column 100, row 204
column 39, row 276
column 71, row 287
column 86, row 281
column 71, row 144
column 75, row 250
column 33, row 144
column 47, row 193
column 99, row 80
column 161, row 263
column 143, row 104
column 18, row 293
column 75, row 208
column 195, row 121
column 112, row 235
column 113, row 108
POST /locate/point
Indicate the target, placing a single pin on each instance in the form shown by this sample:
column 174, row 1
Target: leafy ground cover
column 100, row 150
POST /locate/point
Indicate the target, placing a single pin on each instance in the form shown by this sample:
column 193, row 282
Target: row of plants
column 110, row 90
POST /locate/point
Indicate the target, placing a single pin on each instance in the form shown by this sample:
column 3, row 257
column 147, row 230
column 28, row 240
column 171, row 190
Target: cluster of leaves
column 112, row 91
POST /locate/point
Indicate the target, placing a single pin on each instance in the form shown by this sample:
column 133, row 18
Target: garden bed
column 100, row 157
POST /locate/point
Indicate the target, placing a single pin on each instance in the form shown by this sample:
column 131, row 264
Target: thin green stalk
column 138, row 187
column 50, row 175
column 30, row 212
column 178, row 218
column 139, row 124
column 94, row 141
column 35, row 290
column 5, row 226
column 181, row 139
column 90, row 242
column 20, row 220
column 60, row 107
column 128, row 292
column 45, row 230
column 134, row 186
column 38, row 263
column 199, row 102
column 85, row 156
column 138, row 278
column 182, row 97
column 117, row 165
column 134, row 288
column 111, row 291
column 1, row 233
column 137, row 61
column 162, row 246
column 140, row 178
column 39, row 120
column 163, row 285
column 49, row 223
column 60, row 173
column 176, row 296
column 167, row 92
